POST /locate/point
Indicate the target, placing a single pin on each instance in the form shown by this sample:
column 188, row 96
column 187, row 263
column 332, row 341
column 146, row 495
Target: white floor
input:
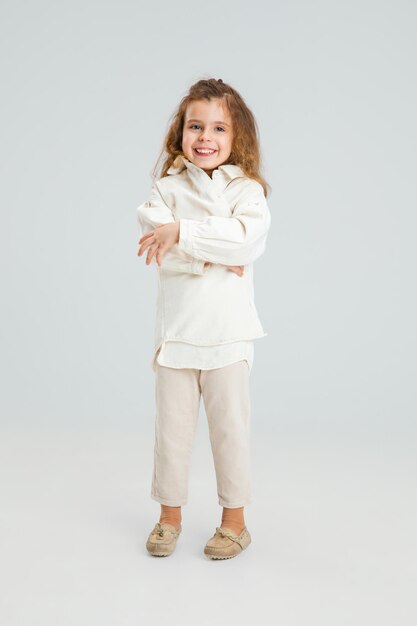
column 333, row 532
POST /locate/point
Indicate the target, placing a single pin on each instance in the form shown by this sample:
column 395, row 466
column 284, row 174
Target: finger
column 151, row 253
column 145, row 245
column 159, row 257
column 150, row 234
column 160, row 254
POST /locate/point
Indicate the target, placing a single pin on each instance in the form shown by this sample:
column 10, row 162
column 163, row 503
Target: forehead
column 214, row 110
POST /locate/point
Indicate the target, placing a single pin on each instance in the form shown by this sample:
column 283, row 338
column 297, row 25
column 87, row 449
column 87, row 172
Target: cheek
column 225, row 143
column 186, row 141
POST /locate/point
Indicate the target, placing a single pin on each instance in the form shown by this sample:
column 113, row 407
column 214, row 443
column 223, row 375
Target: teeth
column 203, row 151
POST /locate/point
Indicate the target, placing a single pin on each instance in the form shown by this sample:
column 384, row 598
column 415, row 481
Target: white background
column 87, row 92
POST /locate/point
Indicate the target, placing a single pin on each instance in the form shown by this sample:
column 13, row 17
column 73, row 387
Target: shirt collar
column 229, row 170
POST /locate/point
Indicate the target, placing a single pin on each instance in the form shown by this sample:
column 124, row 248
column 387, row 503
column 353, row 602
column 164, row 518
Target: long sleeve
column 151, row 214
column 236, row 240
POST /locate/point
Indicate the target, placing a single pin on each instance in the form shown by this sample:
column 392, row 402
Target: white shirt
column 223, row 219
column 178, row 354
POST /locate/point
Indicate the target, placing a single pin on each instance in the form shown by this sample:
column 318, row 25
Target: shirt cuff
column 197, row 267
column 185, row 237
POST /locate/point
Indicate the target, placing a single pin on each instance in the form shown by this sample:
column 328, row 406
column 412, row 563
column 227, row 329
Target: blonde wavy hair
column 246, row 151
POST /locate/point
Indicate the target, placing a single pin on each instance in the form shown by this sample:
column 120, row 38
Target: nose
column 205, row 134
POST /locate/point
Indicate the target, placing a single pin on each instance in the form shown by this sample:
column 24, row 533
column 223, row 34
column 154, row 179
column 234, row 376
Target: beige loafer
column 162, row 539
column 224, row 544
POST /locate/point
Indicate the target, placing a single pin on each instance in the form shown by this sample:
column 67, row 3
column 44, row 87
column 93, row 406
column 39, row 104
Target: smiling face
column 207, row 134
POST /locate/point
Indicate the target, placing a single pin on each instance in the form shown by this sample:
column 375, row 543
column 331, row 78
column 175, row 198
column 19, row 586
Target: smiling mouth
column 204, row 152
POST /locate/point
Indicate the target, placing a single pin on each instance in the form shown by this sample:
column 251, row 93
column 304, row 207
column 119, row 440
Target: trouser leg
column 177, row 395
column 226, row 396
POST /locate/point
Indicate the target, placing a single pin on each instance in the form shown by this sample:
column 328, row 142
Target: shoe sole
column 158, row 553
column 221, row 558
column 225, row 556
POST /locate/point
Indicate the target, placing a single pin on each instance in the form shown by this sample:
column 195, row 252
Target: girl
column 204, row 225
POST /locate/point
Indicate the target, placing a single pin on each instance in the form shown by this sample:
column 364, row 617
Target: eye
column 198, row 126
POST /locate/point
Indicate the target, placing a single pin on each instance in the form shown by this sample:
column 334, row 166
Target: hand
column 159, row 240
column 237, row 269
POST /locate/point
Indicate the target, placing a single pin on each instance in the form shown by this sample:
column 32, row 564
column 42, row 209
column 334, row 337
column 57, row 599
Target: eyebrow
column 194, row 120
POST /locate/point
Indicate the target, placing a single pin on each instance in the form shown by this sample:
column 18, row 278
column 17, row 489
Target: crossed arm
column 154, row 214
column 190, row 245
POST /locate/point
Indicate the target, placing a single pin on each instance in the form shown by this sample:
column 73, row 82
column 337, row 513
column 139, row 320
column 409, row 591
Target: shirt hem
column 204, row 368
column 199, row 342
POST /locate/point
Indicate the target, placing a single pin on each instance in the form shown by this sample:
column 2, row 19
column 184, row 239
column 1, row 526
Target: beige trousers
column 225, row 392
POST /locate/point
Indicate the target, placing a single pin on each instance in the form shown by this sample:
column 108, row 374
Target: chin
column 208, row 165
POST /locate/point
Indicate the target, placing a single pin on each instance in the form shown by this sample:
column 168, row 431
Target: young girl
column 204, row 225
